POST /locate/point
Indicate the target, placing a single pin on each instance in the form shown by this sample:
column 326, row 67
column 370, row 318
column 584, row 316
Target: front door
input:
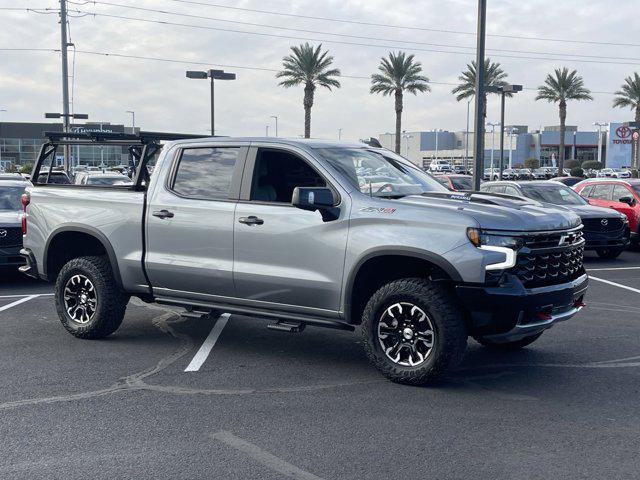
column 190, row 222
column 285, row 257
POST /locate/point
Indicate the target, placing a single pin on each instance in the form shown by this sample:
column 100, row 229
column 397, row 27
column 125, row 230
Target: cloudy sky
column 252, row 45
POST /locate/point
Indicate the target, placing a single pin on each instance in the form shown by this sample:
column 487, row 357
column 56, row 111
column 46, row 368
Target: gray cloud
column 165, row 100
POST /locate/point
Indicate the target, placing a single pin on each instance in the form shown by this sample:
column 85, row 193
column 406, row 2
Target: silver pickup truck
column 308, row 232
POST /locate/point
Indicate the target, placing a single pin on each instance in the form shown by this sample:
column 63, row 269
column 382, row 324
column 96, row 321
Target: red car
column 621, row 195
column 456, row 182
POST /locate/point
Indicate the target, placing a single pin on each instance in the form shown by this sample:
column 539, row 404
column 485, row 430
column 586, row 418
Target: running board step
column 196, row 313
column 287, row 326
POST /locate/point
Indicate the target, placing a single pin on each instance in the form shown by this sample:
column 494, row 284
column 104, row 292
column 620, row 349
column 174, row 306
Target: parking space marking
column 265, row 458
column 27, row 295
column 18, row 302
column 609, row 282
column 202, row 354
column 610, row 269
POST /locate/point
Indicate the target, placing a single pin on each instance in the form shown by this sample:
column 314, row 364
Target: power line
column 342, row 42
column 223, row 65
column 406, row 27
column 279, row 27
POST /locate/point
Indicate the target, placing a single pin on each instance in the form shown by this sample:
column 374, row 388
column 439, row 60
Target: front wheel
column 506, row 346
column 88, row 301
column 413, row 331
column 609, row 252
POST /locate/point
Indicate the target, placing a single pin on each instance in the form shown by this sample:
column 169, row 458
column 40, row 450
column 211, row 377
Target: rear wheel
column 88, row 301
column 515, row 345
column 609, row 252
column 413, row 331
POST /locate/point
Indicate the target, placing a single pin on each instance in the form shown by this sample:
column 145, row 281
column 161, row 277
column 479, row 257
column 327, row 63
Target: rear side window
column 509, row 190
column 602, row 192
column 205, row 173
column 586, row 191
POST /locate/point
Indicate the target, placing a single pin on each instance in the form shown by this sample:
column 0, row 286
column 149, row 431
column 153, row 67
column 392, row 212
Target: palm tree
column 399, row 73
column 629, row 95
column 558, row 88
column 308, row 66
column 493, row 76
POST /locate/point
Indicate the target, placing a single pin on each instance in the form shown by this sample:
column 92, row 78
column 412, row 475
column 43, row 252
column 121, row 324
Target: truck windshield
column 380, row 173
column 10, row 198
column 555, row 194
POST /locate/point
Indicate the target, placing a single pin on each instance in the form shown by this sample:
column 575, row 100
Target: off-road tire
column 111, row 301
column 450, row 337
column 609, row 252
column 508, row 346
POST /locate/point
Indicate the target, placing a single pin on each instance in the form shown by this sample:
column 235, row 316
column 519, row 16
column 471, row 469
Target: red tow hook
column 544, row 316
column 579, row 304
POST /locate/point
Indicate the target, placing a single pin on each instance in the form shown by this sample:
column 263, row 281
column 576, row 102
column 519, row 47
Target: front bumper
column 595, row 240
column 10, row 256
column 510, row 311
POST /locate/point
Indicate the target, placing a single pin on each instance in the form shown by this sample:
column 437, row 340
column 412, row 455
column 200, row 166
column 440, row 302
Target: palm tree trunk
column 398, row 119
column 308, row 103
column 563, row 119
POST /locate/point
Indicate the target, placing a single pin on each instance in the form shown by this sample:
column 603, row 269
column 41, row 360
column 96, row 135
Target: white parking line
column 265, row 458
column 18, row 302
column 609, row 282
column 609, row 269
column 27, row 295
column 202, row 354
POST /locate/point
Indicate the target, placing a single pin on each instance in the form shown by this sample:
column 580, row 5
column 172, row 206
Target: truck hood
column 499, row 212
column 9, row 218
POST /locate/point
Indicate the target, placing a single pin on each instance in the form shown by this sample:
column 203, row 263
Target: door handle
column 163, row 214
column 251, row 220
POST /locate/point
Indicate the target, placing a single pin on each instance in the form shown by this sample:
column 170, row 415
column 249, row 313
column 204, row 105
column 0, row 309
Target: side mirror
column 316, row 198
column 628, row 200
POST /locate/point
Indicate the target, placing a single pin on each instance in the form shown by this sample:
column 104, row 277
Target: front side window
column 620, row 191
column 379, row 173
column 277, row 173
column 205, row 173
column 555, row 194
column 602, row 192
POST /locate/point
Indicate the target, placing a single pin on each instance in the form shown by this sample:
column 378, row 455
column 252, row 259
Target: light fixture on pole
column 276, row 118
column 600, row 125
column 133, row 120
column 213, row 75
column 503, row 90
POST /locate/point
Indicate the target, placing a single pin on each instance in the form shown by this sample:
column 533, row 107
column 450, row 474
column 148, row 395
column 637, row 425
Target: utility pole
column 64, row 43
column 479, row 98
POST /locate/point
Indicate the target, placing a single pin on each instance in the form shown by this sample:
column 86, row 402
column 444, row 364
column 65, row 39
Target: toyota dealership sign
column 619, row 147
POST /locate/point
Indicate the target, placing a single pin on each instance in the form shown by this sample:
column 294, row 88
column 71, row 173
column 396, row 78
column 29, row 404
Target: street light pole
column 267, row 130
column 2, row 110
column 466, row 142
column 133, row 120
column 479, row 96
column 340, row 134
column 64, row 43
column 407, row 136
column 436, row 132
column 213, row 75
column 511, row 132
column 600, row 125
column 276, row 118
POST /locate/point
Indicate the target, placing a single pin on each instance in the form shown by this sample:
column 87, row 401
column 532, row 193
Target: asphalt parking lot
column 262, row 404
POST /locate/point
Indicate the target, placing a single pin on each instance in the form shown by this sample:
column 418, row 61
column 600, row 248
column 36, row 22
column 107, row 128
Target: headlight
column 504, row 244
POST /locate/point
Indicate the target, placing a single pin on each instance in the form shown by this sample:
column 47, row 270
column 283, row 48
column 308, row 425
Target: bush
column 577, row 172
column 592, row 164
column 570, row 164
column 26, row 168
column 11, row 168
column 532, row 163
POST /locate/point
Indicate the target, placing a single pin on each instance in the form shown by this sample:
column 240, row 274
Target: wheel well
column 68, row 245
column 377, row 271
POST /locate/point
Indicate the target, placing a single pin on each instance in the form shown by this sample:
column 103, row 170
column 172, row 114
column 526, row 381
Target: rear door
column 287, row 258
column 190, row 221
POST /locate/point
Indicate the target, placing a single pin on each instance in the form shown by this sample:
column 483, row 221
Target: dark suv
column 605, row 230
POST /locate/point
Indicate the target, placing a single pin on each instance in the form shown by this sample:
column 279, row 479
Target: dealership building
column 519, row 144
column 20, row 144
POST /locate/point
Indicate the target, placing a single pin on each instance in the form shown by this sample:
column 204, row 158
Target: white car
column 613, row 173
column 440, row 166
column 99, row 178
